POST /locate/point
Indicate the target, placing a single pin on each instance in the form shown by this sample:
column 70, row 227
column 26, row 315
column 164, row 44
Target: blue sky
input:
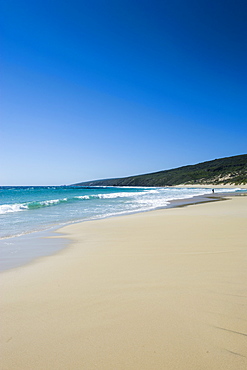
column 98, row 89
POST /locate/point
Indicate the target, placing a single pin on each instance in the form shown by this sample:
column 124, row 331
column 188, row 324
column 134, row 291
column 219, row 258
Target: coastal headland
column 221, row 171
column 164, row 289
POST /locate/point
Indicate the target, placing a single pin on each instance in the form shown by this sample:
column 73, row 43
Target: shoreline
column 153, row 290
column 18, row 251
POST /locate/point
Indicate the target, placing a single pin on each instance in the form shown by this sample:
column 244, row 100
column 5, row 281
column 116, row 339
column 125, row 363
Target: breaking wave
column 17, row 207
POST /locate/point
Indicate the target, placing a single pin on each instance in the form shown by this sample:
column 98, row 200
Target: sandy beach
column 164, row 289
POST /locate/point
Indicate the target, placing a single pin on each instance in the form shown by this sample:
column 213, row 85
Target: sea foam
column 7, row 208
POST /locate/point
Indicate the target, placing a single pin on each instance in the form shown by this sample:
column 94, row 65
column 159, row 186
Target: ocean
column 24, row 210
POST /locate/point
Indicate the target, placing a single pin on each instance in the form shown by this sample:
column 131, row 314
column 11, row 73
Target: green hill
column 230, row 170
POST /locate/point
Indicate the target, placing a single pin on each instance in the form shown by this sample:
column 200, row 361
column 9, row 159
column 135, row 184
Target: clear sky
column 109, row 88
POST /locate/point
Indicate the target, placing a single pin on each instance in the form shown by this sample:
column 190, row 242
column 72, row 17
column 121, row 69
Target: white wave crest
column 117, row 195
column 52, row 201
column 7, row 208
column 17, row 207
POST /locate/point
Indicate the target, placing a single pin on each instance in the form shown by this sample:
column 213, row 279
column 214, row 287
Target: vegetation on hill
column 230, row 170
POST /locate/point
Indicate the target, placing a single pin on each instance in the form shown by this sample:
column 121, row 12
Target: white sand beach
column 164, row 289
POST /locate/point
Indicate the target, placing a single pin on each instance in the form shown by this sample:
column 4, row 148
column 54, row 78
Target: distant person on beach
column 212, row 190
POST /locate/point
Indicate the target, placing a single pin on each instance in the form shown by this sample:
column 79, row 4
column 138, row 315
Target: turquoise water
column 24, row 210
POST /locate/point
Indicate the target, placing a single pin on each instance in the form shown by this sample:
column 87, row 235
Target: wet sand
column 158, row 290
